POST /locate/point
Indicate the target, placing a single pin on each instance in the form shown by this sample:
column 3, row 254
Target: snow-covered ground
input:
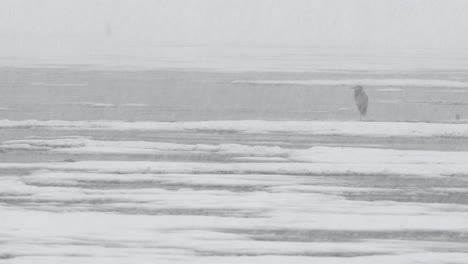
column 367, row 129
column 232, row 192
column 166, row 166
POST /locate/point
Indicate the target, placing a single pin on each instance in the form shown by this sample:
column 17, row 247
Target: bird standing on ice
column 361, row 100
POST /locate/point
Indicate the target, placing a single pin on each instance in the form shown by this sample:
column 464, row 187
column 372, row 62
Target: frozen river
column 160, row 166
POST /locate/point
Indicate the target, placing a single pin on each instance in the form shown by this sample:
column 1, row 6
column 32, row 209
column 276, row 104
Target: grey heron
column 361, row 100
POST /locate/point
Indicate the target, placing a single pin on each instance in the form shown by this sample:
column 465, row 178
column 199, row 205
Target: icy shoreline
column 343, row 128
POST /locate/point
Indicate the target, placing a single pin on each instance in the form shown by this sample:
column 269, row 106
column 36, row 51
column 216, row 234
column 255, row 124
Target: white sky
column 67, row 26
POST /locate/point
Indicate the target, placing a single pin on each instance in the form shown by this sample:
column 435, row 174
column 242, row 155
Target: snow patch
column 346, row 128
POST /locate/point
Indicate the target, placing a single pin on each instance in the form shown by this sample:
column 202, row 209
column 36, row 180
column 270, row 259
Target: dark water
column 164, row 95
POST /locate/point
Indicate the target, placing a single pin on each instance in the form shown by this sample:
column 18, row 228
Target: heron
column 361, row 100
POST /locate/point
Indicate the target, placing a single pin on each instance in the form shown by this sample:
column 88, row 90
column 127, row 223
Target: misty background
column 168, row 30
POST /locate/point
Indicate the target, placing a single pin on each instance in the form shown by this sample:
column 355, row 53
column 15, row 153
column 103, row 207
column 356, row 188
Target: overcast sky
column 35, row 26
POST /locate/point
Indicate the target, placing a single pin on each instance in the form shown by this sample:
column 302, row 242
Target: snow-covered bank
column 341, row 128
column 260, row 192
column 448, row 168
column 105, row 238
column 331, row 205
column 367, row 82
column 169, row 218
column 319, row 154
column 89, row 146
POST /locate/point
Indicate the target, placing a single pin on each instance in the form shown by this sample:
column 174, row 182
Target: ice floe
column 346, row 128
